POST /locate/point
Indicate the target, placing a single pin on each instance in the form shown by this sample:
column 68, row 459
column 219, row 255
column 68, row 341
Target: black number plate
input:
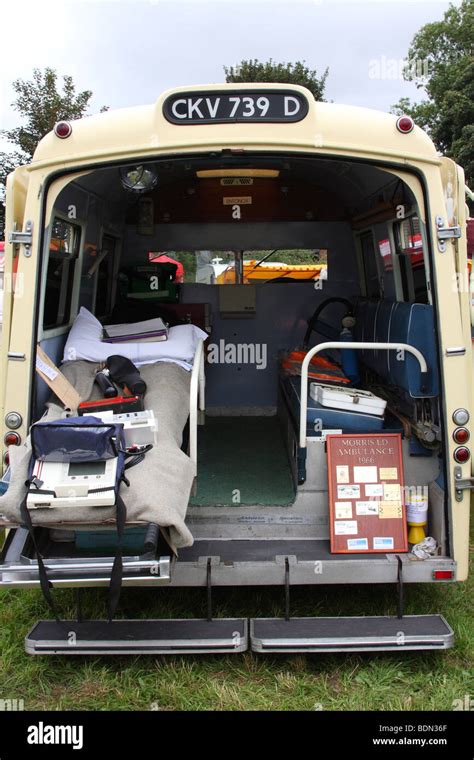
column 235, row 106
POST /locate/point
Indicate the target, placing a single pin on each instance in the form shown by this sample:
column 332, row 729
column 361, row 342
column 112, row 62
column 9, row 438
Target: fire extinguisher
column 349, row 359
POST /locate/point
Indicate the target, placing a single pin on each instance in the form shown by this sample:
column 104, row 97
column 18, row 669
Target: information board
column 366, row 504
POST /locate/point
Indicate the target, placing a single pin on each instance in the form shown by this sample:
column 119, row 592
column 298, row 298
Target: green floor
column 242, row 460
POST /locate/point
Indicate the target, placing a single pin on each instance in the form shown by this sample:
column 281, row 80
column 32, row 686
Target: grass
column 385, row 681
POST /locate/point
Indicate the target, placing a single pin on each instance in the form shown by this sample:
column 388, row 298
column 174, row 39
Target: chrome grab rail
column 341, row 345
column 196, row 399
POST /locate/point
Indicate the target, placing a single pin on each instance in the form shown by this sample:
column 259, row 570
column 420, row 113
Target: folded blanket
column 160, row 486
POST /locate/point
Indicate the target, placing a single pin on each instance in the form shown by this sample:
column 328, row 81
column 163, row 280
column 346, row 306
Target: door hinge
column 462, row 484
column 446, row 233
column 25, row 237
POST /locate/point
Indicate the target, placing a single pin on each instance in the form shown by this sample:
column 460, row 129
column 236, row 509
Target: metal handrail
column 196, row 399
column 341, row 345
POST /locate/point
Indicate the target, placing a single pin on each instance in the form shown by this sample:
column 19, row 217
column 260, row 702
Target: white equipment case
column 74, row 484
column 139, row 428
column 350, row 399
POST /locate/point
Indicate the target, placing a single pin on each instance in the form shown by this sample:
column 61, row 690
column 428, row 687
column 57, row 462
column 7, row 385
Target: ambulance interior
column 238, row 223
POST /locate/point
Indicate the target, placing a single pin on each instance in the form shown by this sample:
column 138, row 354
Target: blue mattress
column 348, row 422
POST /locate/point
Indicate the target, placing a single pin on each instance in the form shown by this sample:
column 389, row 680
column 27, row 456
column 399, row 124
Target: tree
column 286, row 73
column 441, row 63
column 41, row 104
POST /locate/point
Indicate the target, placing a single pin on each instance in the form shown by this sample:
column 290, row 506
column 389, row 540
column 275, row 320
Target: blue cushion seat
column 380, row 322
column 399, row 322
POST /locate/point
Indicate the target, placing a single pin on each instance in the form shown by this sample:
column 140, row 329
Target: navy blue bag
column 81, row 439
column 76, row 439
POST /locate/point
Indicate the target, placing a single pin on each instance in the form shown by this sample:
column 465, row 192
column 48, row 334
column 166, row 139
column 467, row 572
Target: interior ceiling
column 349, row 186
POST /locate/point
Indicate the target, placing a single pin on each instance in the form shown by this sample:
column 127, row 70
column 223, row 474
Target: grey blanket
column 160, row 486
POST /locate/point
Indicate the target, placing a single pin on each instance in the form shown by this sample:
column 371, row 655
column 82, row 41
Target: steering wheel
column 324, row 328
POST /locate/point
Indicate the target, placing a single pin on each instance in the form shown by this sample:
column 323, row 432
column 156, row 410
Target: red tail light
column 12, row 439
column 62, row 129
column 443, row 575
column 461, row 435
column 462, row 454
column 405, row 124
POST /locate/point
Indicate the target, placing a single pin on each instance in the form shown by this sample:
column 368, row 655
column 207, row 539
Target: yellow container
column 417, row 514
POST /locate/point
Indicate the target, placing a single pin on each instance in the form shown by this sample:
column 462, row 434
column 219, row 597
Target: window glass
column 371, row 274
column 247, row 267
column 411, row 259
column 106, row 278
column 62, row 259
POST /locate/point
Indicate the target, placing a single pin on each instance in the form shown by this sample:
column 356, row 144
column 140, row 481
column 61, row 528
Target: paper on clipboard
column 345, row 527
column 343, row 510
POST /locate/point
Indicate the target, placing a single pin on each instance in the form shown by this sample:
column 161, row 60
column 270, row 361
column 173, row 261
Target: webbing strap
column 115, row 584
column 43, row 576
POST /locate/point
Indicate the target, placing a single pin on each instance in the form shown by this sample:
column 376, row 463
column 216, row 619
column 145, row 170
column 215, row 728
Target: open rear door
column 17, row 185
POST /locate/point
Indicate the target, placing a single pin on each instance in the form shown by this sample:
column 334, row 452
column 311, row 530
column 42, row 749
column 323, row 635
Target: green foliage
column 441, row 63
column 188, row 260
column 285, row 73
column 40, row 103
column 296, row 256
column 463, row 149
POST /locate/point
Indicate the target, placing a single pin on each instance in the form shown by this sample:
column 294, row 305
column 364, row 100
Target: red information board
column 366, row 505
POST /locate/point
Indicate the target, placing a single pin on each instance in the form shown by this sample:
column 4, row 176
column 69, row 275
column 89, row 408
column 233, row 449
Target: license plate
column 235, row 106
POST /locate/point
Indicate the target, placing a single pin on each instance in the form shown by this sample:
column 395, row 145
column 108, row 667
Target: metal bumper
column 262, row 563
column 19, row 568
column 234, row 563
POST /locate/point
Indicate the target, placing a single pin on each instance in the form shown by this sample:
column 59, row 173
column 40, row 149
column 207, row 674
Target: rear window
column 252, row 267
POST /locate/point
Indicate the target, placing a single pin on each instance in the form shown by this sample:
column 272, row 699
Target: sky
column 128, row 51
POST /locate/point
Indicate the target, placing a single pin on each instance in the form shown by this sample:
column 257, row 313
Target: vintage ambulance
column 323, row 437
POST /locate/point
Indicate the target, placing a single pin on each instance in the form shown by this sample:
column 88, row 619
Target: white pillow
column 85, row 342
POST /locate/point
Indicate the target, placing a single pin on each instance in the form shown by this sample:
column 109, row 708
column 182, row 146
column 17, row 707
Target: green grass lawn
column 385, row 681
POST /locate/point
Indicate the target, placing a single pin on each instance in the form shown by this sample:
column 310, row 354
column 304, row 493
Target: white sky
column 129, row 51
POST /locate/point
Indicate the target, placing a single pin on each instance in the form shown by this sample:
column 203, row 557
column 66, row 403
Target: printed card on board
column 366, row 509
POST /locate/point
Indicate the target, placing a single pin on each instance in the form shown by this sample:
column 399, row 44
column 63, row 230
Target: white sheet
column 85, row 342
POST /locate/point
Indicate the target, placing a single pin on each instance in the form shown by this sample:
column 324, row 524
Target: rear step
column 350, row 634
column 227, row 635
column 183, row 636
